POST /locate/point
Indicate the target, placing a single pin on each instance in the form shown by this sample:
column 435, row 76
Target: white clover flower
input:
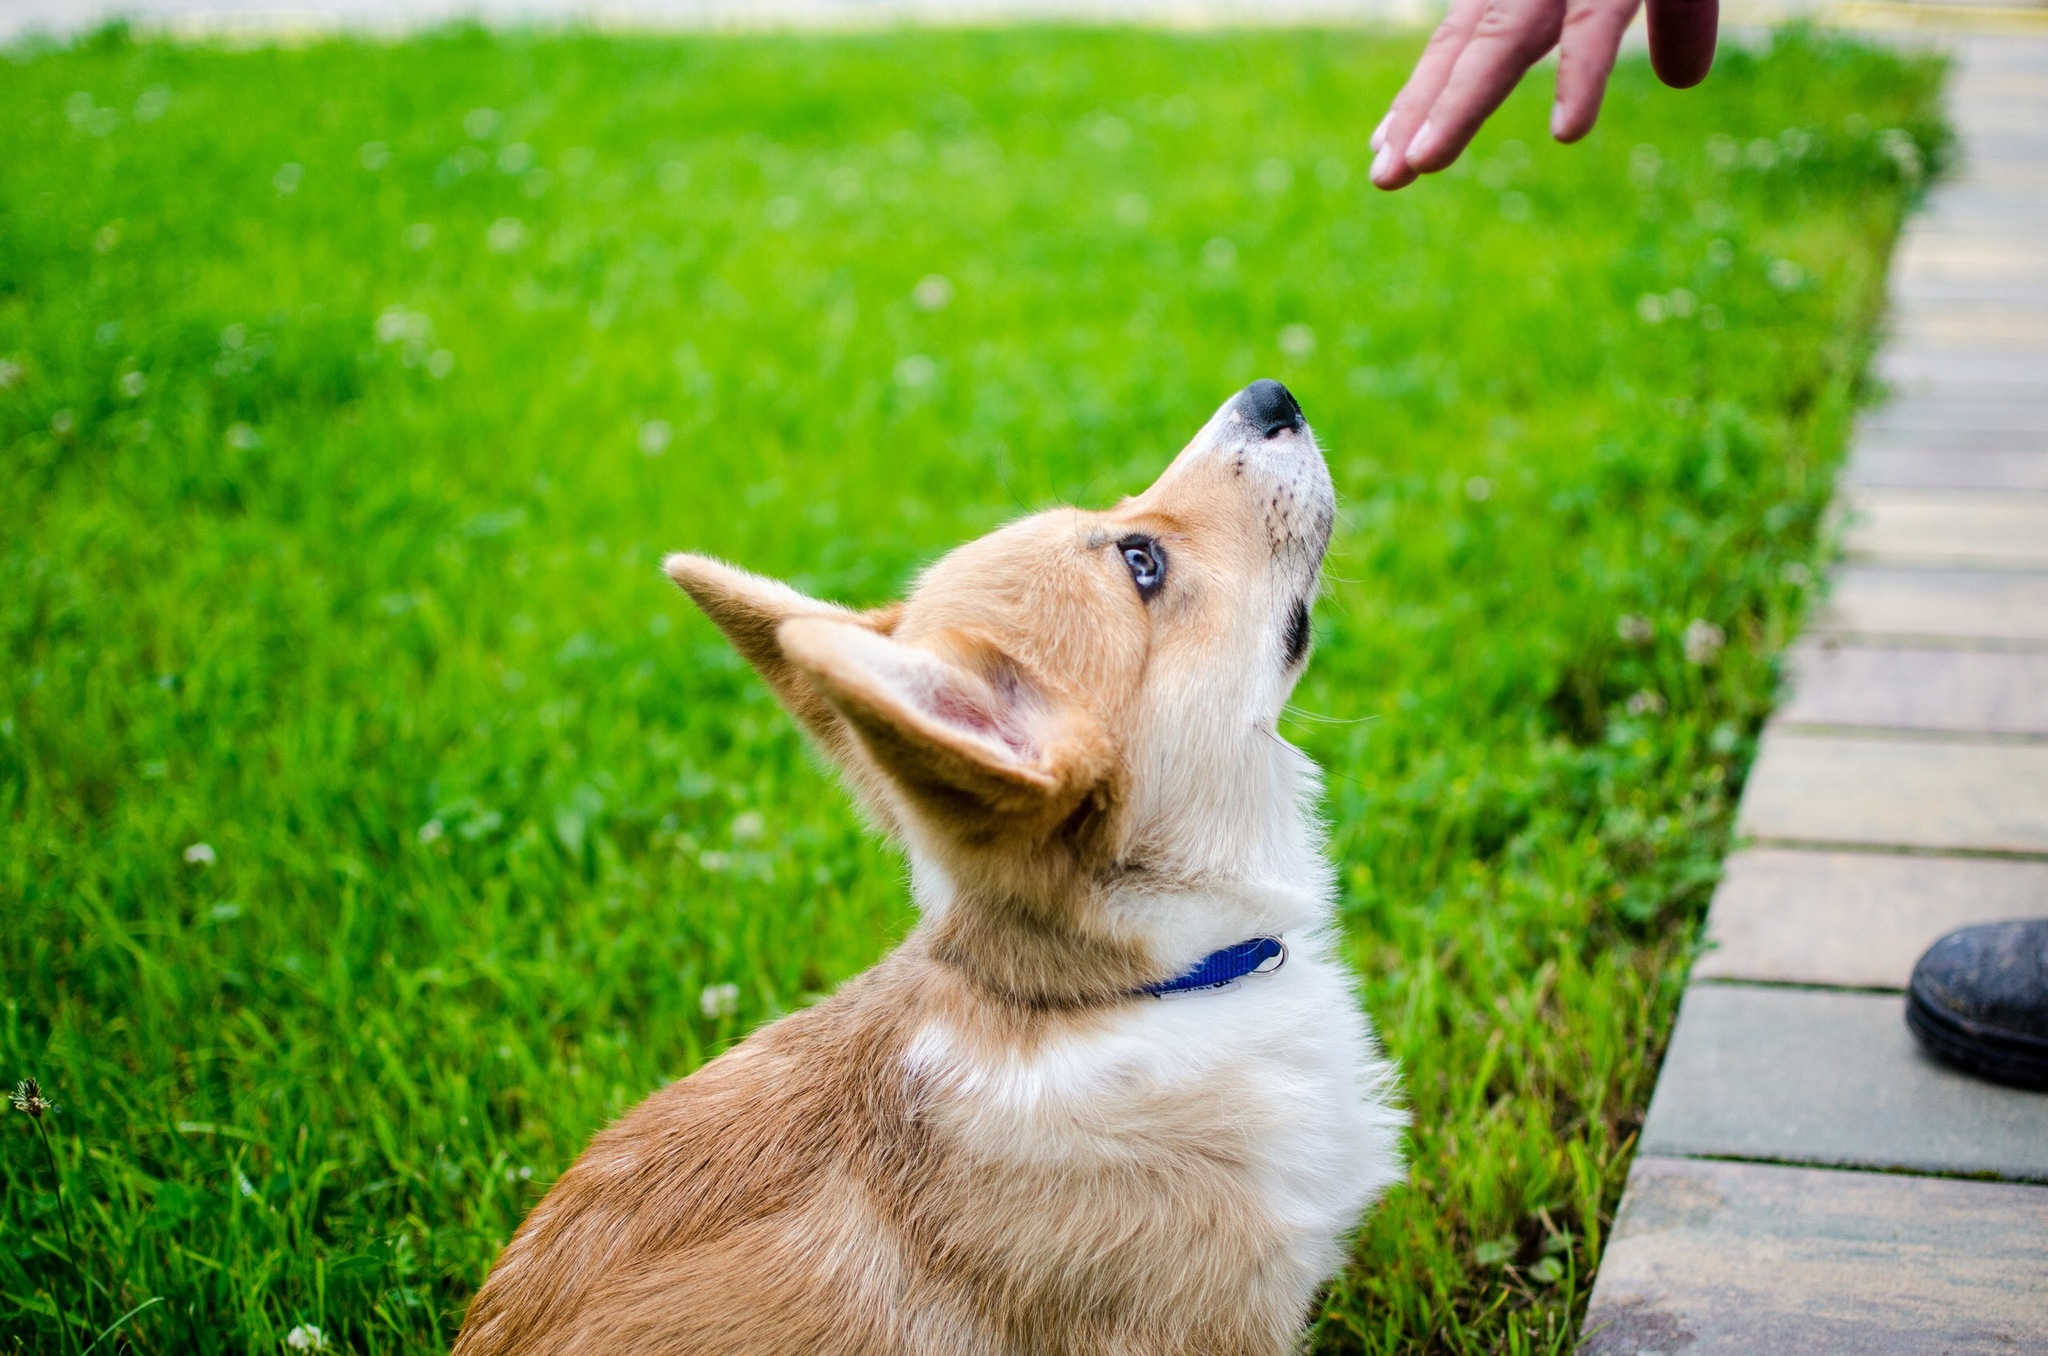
column 200, row 854
column 1651, row 308
column 719, row 1000
column 1645, row 703
column 10, row 374
column 1297, row 340
column 748, row 826
column 916, row 370
column 1635, row 629
column 934, row 292
column 1479, row 489
column 480, row 122
column 306, row 1337
column 654, row 437
column 506, row 235
column 133, row 384
column 1786, row 275
column 432, row 830
column 1703, row 641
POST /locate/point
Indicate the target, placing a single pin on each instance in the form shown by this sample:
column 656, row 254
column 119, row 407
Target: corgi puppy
column 1115, row 1093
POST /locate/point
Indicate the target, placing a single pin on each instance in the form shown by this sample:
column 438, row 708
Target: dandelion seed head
column 719, row 1000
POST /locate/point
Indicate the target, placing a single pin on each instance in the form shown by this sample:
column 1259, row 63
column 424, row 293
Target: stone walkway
column 1809, row 1182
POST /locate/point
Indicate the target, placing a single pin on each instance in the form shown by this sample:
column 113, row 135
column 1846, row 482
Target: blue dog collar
column 1221, row 969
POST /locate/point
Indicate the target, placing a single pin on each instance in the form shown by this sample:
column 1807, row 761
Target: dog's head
column 1072, row 718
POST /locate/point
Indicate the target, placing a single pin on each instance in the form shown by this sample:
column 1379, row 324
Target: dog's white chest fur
column 1268, row 1103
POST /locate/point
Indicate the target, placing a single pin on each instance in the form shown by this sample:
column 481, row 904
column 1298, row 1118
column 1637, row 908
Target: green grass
column 332, row 521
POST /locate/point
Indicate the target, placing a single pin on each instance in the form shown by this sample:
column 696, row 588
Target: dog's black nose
column 1269, row 407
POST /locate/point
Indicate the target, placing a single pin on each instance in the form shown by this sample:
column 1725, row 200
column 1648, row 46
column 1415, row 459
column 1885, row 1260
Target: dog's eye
column 1146, row 562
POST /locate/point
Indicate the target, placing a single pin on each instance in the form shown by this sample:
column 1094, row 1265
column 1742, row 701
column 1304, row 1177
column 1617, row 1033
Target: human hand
column 1483, row 48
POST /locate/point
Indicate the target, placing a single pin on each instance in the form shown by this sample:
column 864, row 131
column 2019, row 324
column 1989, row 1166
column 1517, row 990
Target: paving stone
column 1992, row 607
column 1854, row 919
column 1912, row 364
column 1919, row 414
column 1908, row 688
column 1890, row 468
column 1945, row 795
column 1957, row 437
column 1825, row 1077
column 1957, row 258
column 1749, row 1259
column 1908, row 290
column 1949, row 527
column 2024, row 331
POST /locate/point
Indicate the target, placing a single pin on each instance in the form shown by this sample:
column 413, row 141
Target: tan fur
column 1044, row 742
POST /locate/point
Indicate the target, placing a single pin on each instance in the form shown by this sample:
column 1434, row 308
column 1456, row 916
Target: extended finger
column 1682, row 40
column 1585, row 57
column 1512, row 35
column 1411, row 105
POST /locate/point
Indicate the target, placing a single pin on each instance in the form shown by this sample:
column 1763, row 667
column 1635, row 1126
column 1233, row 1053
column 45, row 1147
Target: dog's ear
column 965, row 734
column 750, row 609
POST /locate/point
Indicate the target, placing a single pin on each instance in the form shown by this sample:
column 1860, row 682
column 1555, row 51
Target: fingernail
column 1424, row 143
column 1557, row 121
column 1379, row 133
column 1383, row 163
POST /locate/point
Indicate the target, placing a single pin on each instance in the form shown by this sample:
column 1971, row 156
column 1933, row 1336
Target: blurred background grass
column 378, row 822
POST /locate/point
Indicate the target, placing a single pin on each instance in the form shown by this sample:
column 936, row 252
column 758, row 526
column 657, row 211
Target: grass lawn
column 375, row 821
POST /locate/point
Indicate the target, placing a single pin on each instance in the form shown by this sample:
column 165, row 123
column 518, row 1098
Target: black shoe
column 1979, row 999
